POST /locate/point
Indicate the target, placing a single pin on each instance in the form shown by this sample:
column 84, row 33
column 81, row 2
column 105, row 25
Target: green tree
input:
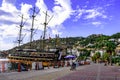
column 105, row 57
column 110, row 48
column 96, row 56
column 84, row 55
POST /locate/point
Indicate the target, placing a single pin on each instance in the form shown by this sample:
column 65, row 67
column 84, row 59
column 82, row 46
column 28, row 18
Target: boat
column 33, row 56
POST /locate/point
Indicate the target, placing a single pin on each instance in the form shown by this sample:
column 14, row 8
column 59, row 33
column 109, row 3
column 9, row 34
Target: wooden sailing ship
column 30, row 54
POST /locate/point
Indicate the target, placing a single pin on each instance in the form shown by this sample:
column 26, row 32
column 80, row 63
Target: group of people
column 59, row 55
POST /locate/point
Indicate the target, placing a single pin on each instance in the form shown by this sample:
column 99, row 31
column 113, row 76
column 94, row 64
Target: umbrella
column 70, row 56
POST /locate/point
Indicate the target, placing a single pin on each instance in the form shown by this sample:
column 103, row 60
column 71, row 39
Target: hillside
column 90, row 41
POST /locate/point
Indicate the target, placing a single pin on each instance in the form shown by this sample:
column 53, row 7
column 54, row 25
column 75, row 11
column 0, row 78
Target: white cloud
column 5, row 46
column 62, row 10
column 58, row 29
column 8, row 7
column 25, row 9
column 8, row 24
column 90, row 13
column 41, row 5
column 96, row 23
column 9, row 31
column 78, row 14
column 94, row 13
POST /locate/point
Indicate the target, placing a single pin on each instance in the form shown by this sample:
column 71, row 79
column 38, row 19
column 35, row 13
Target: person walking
column 73, row 66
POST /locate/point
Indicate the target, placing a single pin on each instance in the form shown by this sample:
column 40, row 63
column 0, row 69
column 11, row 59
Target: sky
column 66, row 18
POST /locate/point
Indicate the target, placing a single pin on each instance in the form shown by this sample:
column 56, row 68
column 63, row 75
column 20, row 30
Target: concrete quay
column 85, row 72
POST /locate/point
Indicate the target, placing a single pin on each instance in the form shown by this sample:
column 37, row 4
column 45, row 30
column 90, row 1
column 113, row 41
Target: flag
column 60, row 54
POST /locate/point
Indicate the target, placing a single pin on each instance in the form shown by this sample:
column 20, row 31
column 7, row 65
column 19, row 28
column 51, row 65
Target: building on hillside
column 118, row 40
column 100, row 50
column 111, row 39
column 75, row 52
column 117, row 50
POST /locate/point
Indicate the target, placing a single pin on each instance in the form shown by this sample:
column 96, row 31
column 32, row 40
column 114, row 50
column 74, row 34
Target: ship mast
column 45, row 26
column 20, row 32
column 32, row 29
column 44, row 32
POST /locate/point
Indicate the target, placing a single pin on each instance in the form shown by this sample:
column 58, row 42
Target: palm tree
column 105, row 56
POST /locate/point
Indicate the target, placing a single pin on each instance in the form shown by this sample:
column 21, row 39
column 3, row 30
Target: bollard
column 19, row 67
column 3, row 66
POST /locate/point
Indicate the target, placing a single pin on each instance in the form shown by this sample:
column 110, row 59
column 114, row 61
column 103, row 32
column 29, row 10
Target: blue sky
column 71, row 18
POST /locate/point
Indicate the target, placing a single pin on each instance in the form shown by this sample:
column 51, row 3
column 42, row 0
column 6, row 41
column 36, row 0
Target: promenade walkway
column 94, row 72
column 87, row 72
